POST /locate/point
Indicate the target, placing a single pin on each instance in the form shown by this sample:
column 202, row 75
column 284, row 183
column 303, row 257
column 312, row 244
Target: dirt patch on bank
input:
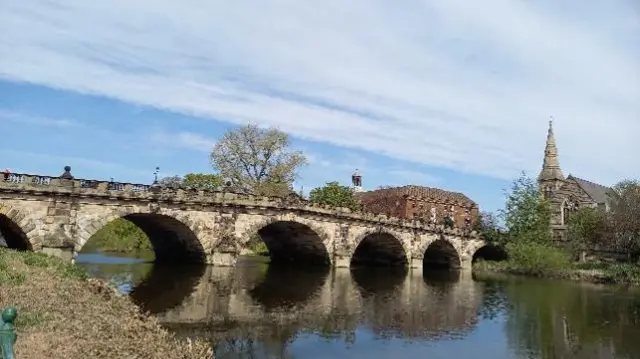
column 61, row 314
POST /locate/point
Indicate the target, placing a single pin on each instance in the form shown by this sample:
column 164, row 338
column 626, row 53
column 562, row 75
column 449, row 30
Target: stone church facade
column 567, row 194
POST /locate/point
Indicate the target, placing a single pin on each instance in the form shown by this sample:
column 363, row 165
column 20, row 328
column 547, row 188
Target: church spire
column 550, row 165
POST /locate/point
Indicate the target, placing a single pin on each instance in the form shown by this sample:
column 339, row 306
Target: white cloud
column 21, row 118
column 451, row 83
column 185, row 140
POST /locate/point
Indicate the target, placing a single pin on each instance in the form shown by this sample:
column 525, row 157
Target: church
column 567, row 194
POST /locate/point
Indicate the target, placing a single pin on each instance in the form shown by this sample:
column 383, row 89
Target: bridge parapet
column 40, row 185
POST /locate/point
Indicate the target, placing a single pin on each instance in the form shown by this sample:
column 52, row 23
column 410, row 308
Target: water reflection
column 259, row 311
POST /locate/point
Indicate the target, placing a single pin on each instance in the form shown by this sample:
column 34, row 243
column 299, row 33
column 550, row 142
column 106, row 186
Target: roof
column 421, row 192
column 599, row 193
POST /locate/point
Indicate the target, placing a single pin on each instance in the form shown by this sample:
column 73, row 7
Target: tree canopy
column 334, row 194
column 194, row 180
column 258, row 160
column 526, row 215
column 624, row 216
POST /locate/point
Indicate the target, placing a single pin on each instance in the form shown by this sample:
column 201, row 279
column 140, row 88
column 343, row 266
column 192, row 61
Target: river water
column 259, row 311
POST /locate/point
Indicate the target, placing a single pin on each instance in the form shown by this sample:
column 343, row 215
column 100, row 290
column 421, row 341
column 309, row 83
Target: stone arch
column 17, row 230
column 173, row 236
column 441, row 254
column 290, row 239
column 379, row 247
column 488, row 252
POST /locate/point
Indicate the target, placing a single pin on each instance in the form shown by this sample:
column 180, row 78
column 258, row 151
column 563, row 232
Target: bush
column 536, row 259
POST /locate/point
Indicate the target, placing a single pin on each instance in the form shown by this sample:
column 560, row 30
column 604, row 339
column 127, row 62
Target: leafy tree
column 194, row 180
column 526, row 214
column 203, row 180
column 586, row 227
column 336, row 195
column 624, row 215
column 489, row 229
column 171, row 181
column 258, row 160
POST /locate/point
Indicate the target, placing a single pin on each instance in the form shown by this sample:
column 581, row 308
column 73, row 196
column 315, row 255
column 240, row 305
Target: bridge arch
column 379, row 247
column 290, row 240
column 173, row 236
column 441, row 254
column 488, row 252
column 17, row 230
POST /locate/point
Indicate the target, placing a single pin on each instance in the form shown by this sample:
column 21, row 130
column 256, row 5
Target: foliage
column 194, row 180
column 526, row 215
column 210, row 181
column 119, row 235
column 171, row 181
column 489, row 229
column 586, row 227
column 624, row 215
column 336, row 195
column 257, row 160
column 536, row 259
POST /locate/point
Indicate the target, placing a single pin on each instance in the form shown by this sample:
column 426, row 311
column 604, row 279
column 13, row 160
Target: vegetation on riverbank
column 62, row 314
column 526, row 236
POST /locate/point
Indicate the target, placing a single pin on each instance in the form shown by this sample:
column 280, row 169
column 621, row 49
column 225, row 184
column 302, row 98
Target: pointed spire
column 550, row 165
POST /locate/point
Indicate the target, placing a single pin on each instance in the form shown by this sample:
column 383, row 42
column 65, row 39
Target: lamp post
column 155, row 176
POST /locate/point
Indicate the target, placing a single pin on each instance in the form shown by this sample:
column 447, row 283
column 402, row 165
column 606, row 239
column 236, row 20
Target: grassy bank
column 602, row 273
column 63, row 314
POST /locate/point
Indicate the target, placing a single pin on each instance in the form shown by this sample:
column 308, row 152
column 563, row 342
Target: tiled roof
column 599, row 193
column 421, row 192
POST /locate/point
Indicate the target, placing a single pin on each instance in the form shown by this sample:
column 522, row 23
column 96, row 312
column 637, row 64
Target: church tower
column 551, row 177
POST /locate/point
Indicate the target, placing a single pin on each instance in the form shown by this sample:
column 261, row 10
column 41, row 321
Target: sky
column 454, row 94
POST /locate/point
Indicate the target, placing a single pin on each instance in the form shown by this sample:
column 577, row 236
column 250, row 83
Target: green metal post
column 8, row 335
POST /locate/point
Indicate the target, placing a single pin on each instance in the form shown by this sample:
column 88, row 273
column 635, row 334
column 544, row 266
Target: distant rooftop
column 599, row 193
column 422, row 192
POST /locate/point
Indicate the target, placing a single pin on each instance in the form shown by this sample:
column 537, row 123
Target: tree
column 336, row 195
column 171, row 181
column 194, row 180
column 489, row 229
column 624, row 215
column 203, row 181
column 586, row 227
column 257, row 160
column 526, row 215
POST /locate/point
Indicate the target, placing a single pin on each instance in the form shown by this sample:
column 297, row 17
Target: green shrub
column 536, row 259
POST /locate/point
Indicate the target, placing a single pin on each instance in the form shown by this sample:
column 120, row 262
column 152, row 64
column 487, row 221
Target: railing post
column 8, row 335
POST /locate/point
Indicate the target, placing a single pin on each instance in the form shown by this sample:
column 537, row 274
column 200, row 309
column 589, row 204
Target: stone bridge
column 58, row 215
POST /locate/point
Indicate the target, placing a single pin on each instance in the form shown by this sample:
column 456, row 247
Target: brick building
column 424, row 203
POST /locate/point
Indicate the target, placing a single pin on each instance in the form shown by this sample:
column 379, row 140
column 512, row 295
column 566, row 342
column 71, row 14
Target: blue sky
column 446, row 93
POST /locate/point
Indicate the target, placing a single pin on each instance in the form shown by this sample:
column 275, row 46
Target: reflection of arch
column 489, row 253
column 378, row 282
column 291, row 241
column 166, row 287
column 16, row 228
column 441, row 254
column 284, row 287
column 379, row 248
column 173, row 240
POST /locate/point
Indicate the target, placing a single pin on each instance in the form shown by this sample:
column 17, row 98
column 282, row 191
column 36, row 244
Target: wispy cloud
column 21, row 118
column 185, row 140
column 450, row 83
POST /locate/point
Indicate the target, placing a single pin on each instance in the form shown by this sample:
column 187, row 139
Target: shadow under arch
column 172, row 240
column 490, row 252
column 379, row 249
column 441, row 254
column 293, row 242
column 167, row 286
column 12, row 236
column 285, row 286
column 378, row 281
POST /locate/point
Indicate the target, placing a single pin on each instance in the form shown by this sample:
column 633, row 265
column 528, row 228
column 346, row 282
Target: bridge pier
column 341, row 261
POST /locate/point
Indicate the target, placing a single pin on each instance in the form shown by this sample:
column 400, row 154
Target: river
column 259, row 311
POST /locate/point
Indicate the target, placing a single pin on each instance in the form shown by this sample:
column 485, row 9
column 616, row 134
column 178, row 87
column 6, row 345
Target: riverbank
column 599, row 273
column 62, row 313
